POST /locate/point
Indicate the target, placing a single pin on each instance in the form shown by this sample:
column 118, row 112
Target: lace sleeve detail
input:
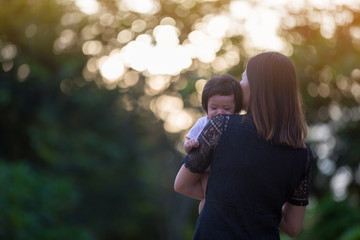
column 301, row 193
column 197, row 161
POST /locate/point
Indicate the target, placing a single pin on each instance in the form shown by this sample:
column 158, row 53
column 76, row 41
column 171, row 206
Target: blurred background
column 97, row 95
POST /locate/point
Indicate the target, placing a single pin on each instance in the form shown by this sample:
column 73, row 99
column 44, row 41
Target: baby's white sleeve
column 197, row 128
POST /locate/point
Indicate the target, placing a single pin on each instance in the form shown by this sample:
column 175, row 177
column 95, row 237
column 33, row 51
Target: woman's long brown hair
column 275, row 102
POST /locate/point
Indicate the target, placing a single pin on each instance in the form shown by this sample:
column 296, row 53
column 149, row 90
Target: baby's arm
column 190, row 144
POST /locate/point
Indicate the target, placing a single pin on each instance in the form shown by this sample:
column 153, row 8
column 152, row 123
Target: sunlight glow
column 111, row 67
column 158, row 82
column 137, row 54
column 218, row 26
column 166, row 57
column 178, row 121
column 328, row 25
column 259, row 25
column 169, row 60
column 140, row 6
column 88, row 6
column 203, row 46
column 160, row 52
column 171, row 110
column 157, row 54
column 355, row 32
column 166, row 35
column 165, row 104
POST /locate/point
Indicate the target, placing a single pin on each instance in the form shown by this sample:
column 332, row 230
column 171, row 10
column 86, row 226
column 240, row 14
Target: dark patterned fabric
column 250, row 180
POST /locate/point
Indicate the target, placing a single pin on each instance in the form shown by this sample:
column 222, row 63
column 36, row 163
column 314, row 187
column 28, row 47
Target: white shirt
column 197, row 128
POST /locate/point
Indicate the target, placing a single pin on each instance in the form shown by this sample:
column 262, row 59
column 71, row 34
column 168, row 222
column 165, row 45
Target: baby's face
column 218, row 104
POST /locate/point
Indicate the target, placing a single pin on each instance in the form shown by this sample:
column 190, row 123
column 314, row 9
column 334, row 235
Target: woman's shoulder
column 242, row 120
column 233, row 123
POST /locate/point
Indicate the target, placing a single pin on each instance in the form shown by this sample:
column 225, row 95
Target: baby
column 221, row 95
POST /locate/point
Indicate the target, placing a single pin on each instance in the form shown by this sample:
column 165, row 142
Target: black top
column 250, row 180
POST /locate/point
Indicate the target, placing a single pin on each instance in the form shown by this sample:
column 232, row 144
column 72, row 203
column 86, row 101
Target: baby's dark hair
column 223, row 85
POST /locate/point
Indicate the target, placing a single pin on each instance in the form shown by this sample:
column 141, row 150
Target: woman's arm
column 293, row 211
column 188, row 183
column 292, row 219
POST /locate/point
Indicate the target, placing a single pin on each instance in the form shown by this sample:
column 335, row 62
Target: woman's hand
column 188, row 183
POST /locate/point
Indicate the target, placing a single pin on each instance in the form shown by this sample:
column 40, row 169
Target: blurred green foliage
column 35, row 205
column 80, row 160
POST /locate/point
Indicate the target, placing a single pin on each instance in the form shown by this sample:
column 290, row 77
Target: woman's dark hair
column 275, row 101
column 223, row 85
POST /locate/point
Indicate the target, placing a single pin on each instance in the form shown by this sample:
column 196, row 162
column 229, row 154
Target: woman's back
column 250, row 181
column 255, row 188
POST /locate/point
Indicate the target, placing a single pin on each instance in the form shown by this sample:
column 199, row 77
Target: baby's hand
column 190, row 144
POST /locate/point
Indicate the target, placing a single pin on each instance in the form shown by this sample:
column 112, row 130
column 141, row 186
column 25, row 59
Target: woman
column 260, row 165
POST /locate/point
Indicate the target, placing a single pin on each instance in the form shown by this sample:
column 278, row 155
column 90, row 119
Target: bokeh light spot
column 355, row 90
column 138, row 25
column 67, row 38
column 30, row 30
column 88, row 6
column 355, row 74
column 125, row 36
column 7, row 66
column 168, row 21
column 199, row 85
column 92, row 47
column 326, row 166
column 324, row 90
column 340, row 181
column 131, row 78
column 312, row 89
column 111, row 67
column 23, row 72
column 158, row 82
column 140, row 6
column 335, row 112
column 9, row 51
column 106, row 19
column 178, row 121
